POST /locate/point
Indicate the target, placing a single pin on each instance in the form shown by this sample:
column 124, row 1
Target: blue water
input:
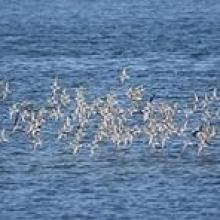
column 171, row 47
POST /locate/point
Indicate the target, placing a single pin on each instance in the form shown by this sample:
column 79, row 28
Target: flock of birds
column 82, row 123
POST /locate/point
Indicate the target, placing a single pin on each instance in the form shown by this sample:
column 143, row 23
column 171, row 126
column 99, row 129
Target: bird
column 13, row 110
column 6, row 91
column 7, row 88
column 214, row 96
column 123, row 76
column 36, row 142
column 16, row 121
column 64, row 98
column 3, row 137
column 66, row 129
column 203, row 135
column 151, row 98
column 196, row 98
column 136, row 93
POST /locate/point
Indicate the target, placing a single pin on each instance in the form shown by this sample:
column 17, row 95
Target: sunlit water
column 170, row 47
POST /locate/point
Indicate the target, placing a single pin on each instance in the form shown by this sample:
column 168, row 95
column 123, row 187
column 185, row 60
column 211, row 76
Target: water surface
column 170, row 47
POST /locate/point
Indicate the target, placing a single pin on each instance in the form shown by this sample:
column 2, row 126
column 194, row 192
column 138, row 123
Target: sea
column 171, row 48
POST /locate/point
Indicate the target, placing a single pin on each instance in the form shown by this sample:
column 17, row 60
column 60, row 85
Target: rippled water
column 171, row 47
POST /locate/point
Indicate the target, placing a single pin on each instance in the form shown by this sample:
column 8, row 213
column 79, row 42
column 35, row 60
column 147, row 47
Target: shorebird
column 3, row 137
column 123, row 76
column 4, row 90
column 214, row 94
column 205, row 101
column 66, row 129
column 64, row 98
column 55, row 86
column 196, row 98
column 136, row 93
column 36, row 142
column 203, row 136
column 13, row 110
